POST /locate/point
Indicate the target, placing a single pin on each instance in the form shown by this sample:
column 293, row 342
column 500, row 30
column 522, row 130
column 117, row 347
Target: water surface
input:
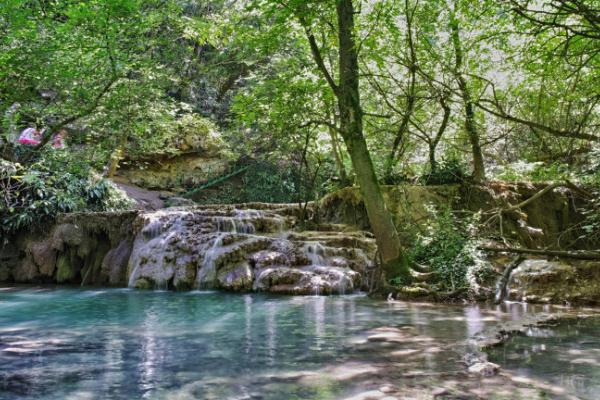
column 565, row 354
column 126, row 344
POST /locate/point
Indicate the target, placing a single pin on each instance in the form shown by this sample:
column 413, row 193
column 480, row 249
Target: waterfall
column 315, row 252
column 241, row 249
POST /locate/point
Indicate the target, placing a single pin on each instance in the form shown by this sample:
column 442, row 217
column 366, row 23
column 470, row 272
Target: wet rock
column 245, row 249
column 484, row 368
column 114, row 264
column 69, row 234
column 143, row 284
column 545, row 281
column 66, row 271
column 387, row 389
column 5, row 273
column 306, row 280
column 44, row 257
column 184, row 278
column 238, row 278
column 439, row 392
column 26, row 272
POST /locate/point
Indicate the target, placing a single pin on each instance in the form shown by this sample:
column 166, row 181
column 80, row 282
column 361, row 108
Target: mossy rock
column 65, row 270
column 143, row 284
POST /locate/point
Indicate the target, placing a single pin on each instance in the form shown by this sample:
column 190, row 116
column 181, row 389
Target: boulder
column 236, row 278
column 44, row 256
column 484, row 369
column 26, row 272
column 69, row 234
column 114, row 264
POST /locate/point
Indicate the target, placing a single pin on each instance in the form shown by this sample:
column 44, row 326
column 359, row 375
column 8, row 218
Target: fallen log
column 577, row 254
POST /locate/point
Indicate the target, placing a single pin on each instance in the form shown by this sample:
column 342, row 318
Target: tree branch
column 535, row 125
column 577, row 254
column 316, row 53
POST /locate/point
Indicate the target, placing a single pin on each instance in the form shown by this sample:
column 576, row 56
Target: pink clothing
column 30, row 136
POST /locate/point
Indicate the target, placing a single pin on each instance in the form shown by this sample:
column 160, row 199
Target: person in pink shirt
column 30, row 137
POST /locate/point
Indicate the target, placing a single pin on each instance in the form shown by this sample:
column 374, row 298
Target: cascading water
column 243, row 249
column 315, row 252
column 161, row 229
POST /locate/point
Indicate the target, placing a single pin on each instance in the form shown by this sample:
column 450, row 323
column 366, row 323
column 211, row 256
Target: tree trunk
column 395, row 263
column 337, row 152
column 470, row 123
column 432, row 160
column 115, row 157
column 440, row 133
column 339, row 162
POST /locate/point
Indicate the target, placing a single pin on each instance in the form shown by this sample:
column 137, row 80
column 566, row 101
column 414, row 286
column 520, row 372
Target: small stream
column 127, row 344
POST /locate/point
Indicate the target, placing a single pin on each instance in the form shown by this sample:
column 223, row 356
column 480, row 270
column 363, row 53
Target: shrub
column 449, row 171
column 534, row 172
column 269, row 182
column 56, row 183
column 449, row 247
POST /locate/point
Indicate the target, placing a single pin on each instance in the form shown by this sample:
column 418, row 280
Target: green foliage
column 270, row 182
column 591, row 224
column 262, row 182
column 535, row 172
column 57, row 183
column 448, row 247
column 447, row 172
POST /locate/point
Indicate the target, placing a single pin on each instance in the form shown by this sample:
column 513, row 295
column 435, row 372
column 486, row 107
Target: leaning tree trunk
column 395, row 263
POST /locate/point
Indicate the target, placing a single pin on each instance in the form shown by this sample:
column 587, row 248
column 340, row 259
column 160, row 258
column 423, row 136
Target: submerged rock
column 484, row 368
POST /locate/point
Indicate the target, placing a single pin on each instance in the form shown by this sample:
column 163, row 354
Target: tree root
column 502, row 286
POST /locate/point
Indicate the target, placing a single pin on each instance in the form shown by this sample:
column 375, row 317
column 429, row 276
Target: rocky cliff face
column 539, row 280
column 87, row 249
column 195, row 155
column 171, row 173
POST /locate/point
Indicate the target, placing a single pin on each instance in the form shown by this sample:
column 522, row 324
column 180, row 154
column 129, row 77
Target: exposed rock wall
column 86, row 248
column 251, row 247
column 174, row 172
column 539, row 280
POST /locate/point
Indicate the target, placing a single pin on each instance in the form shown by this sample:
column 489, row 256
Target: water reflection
column 565, row 354
column 209, row 345
column 474, row 320
column 271, row 332
column 248, row 314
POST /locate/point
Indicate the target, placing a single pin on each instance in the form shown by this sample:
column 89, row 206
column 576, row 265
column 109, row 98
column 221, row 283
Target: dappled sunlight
column 212, row 345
